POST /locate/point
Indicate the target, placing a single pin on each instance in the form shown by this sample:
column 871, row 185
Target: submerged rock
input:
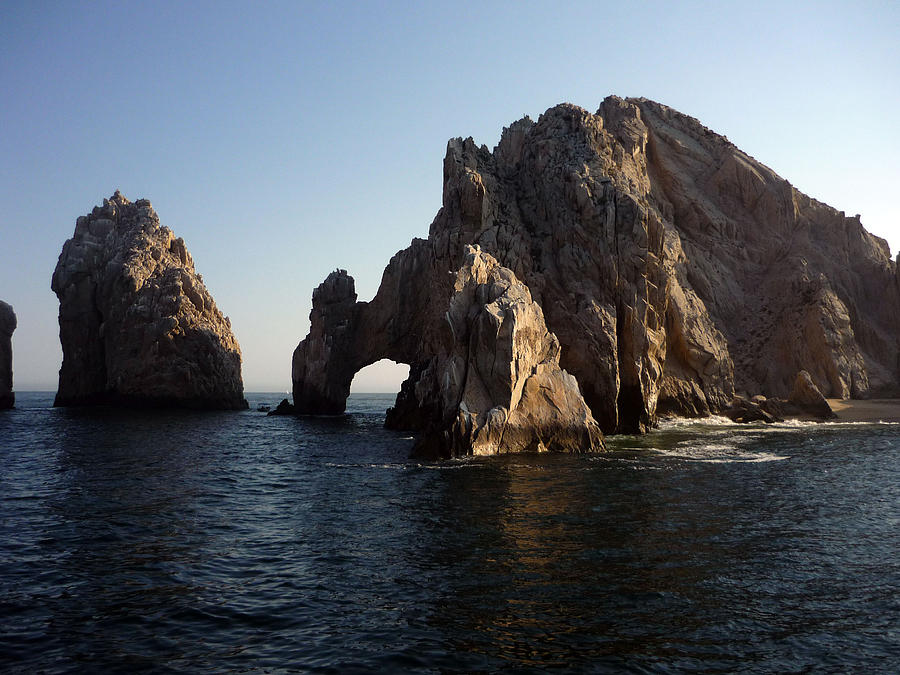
column 670, row 266
column 136, row 323
column 7, row 326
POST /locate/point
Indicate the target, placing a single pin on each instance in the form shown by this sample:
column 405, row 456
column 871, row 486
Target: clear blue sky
column 284, row 140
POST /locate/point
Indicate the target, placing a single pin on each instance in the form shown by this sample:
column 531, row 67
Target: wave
column 719, row 421
column 717, row 453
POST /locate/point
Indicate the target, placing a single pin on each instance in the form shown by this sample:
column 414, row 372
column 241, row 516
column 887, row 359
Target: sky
column 285, row 140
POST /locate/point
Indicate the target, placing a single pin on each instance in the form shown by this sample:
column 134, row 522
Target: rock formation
column 806, row 396
column 7, row 326
column 137, row 325
column 495, row 384
column 673, row 269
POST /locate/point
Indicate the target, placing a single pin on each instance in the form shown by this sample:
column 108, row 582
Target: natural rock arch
column 345, row 336
column 484, row 375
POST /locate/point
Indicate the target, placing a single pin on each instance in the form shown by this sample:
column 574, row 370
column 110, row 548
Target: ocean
column 167, row 541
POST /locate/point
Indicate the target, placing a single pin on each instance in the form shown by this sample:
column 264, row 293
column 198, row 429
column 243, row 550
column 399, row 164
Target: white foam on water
column 447, row 465
column 687, row 423
column 669, row 423
column 721, row 447
column 715, row 453
column 632, row 464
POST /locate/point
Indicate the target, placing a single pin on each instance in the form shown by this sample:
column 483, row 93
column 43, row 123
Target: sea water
column 235, row 542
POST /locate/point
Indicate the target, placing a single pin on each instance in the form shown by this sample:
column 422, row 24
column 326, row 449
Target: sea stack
column 138, row 327
column 7, row 326
column 674, row 270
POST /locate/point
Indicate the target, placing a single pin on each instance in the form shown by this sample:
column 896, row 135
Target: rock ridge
column 137, row 325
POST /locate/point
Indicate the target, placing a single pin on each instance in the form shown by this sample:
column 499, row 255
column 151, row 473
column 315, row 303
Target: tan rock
column 485, row 377
column 137, row 325
column 806, row 396
column 497, row 383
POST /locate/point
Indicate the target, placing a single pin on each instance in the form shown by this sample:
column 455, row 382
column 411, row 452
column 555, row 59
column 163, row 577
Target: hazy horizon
column 285, row 142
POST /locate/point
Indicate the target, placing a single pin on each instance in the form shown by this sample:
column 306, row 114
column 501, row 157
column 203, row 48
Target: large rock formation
column 489, row 379
column 137, row 325
column 495, row 384
column 673, row 269
column 7, row 326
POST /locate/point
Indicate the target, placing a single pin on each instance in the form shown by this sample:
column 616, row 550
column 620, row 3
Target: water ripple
column 232, row 542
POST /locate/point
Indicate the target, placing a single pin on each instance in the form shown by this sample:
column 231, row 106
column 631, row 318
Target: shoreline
column 866, row 410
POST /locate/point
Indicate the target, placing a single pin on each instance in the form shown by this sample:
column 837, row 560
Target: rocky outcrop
column 7, row 326
column 136, row 323
column 759, row 409
column 494, row 383
column 283, row 408
column 672, row 268
column 806, row 396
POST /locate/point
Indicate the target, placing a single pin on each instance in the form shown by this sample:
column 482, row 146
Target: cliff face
column 136, row 323
column 672, row 268
column 7, row 326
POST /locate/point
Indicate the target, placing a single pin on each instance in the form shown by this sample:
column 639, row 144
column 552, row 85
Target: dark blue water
column 233, row 542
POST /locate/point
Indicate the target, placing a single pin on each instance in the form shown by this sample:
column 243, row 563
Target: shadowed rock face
column 7, row 326
column 136, row 323
column 671, row 267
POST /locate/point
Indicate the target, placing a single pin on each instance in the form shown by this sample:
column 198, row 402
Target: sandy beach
column 871, row 410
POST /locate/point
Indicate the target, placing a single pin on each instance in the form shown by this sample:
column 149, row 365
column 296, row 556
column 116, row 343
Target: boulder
column 806, row 396
column 745, row 411
column 7, row 326
column 137, row 325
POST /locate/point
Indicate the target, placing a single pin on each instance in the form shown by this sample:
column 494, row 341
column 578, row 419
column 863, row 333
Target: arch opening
column 382, row 377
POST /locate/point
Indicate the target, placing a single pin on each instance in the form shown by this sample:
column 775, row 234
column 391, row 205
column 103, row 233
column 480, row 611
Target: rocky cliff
column 673, row 269
column 136, row 323
column 7, row 326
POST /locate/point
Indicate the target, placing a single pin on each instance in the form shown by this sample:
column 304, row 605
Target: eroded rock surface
column 136, row 323
column 806, row 396
column 495, row 379
column 673, row 269
column 7, row 326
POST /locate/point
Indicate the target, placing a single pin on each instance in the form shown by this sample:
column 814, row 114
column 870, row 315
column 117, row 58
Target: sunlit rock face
column 672, row 268
column 136, row 323
column 487, row 377
column 494, row 383
column 7, row 326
